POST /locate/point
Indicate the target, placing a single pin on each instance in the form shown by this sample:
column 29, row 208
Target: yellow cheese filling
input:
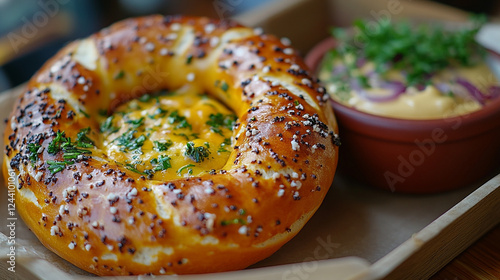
column 170, row 135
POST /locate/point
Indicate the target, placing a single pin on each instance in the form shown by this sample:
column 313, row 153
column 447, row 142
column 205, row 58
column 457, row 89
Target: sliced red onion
column 396, row 89
column 473, row 90
column 339, row 69
column 443, row 87
column 494, row 92
column 360, row 62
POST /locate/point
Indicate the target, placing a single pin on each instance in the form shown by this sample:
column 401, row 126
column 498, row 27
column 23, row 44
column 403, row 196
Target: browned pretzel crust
column 108, row 220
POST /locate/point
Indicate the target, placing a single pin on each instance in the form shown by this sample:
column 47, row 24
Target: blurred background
column 31, row 31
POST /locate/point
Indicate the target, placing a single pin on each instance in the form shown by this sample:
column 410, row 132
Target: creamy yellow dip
column 428, row 103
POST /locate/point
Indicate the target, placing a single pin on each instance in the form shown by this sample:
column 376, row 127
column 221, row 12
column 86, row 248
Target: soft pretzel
column 109, row 218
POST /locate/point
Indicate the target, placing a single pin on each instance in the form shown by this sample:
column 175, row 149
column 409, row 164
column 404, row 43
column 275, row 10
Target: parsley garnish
column 128, row 141
column 420, row 51
column 224, row 86
column 132, row 168
column 107, row 126
column 233, row 222
column 174, row 118
column 223, row 145
column 159, row 112
column 119, row 75
column 194, row 135
column 136, row 123
column 218, row 121
column 162, row 146
column 145, row 98
column 84, row 113
column 56, row 166
column 187, row 166
column 82, row 140
column 189, row 59
column 55, row 144
column 162, row 163
column 197, row 154
column 33, row 151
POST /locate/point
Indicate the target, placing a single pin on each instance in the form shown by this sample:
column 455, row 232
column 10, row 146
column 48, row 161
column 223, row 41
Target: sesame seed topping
column 190, row 77
column 288, row 51
column 113, row 210
column 81, row 80
column 87, row 247
column 71, row 245
column 163, row 51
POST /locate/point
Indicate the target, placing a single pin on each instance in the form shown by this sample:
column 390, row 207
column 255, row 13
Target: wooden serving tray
column 358, row 232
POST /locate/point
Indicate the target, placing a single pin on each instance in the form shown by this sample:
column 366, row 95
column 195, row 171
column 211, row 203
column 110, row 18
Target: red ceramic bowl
column 415, row 156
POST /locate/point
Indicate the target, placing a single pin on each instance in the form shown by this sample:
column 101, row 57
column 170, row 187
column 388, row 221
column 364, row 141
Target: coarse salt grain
column 281, row 192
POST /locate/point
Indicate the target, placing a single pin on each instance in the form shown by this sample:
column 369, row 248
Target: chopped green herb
column 420, row 51
column 82, row 140
column 158, row 113
column 189, row 59
column 119, row 75
column 174, row 118
column 162, row 163
column 33, row 151
column 162, row 146
column 242, row 212
column 103, row 112
column 235, row 221
column 56, row 166
column 84, row 113
column 188, row 137
column 218, row 121
column 145, row 98
column 223, row 145
column 296, row 103
column 197, row 154
column 136, row 123
column 129, row 142
column 132, row 168
column 55, row 145
column 224, row 86
column 187, row 166
column 72, row 152
column 107, row 126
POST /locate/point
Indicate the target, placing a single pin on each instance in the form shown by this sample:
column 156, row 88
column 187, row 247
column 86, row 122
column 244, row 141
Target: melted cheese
column 139, row 129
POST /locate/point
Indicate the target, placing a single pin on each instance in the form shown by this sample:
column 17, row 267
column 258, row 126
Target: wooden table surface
column 479, row 261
